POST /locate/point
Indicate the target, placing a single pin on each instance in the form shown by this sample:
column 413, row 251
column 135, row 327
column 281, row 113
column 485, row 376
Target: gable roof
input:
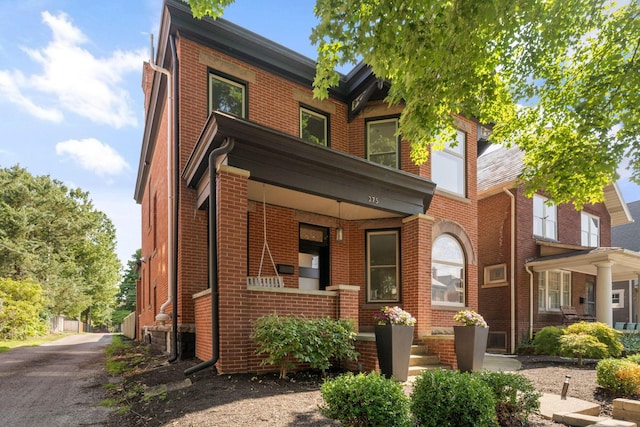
column 500, row 167
column 628, row 235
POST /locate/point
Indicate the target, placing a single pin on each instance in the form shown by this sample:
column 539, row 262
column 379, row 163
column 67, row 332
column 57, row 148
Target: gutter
column 512, row 279
column 172, row 190
column 215, row 158
column 530, row 301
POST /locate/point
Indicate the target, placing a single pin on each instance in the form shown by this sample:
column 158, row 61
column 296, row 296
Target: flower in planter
column 470, row 318
column 394, row 316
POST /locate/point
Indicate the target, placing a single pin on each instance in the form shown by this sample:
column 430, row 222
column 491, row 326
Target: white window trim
column 463, row 278
column 545, row 222
column 620, row 303
column 461, row 139
column 563, row 274
column 396, row 233
column 502, row 281
column 588, row 232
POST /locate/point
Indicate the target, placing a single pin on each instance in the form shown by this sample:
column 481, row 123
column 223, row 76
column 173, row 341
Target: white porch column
column 637, row 301
column 604, row 310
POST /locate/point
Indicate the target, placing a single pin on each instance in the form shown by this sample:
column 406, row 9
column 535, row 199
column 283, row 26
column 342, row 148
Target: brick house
column 257, row 198
column 625, row 292
column 536, row 256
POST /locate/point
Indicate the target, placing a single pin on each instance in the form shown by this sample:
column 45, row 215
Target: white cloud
column 10, row 83
column 75, row 80
column 93, row 155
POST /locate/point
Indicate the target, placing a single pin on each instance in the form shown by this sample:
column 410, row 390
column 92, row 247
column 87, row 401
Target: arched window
column 447, row 272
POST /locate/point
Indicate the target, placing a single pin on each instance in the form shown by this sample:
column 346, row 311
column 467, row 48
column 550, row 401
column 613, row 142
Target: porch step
column 421, row 360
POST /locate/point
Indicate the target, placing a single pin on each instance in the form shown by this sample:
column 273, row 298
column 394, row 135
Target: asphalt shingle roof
column 499, row 165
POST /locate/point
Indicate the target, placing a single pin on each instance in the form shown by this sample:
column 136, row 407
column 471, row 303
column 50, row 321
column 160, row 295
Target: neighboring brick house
column 351, row 223
column 625, row 292
column 535, row 256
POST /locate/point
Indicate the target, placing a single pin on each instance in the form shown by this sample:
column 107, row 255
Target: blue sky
column 71, row 103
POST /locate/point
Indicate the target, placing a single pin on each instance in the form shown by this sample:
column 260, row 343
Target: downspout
column 512, row 267
column 530, row 301
column 171, row 224
column 215, row 158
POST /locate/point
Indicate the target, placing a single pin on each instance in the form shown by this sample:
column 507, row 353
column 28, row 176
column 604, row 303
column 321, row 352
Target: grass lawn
column 6, row 345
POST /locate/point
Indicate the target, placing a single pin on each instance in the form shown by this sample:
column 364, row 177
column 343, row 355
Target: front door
column 313, row 257
column 590, row 303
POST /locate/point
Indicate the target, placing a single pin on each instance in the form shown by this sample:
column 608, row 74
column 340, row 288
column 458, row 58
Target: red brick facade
column 494, row 224
column 273, row 101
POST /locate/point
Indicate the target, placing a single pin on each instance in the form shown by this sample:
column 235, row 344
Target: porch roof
column 625, row 264
column 289, row 163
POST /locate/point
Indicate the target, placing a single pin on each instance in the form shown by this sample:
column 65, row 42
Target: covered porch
column 258, row 186
column 606, row 264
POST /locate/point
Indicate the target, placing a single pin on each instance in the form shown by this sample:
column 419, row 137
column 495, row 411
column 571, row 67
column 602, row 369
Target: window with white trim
column 494, row 274
column 617, row 298
column 589, row 230
column 227, row 95
column 554, row 290
column 383, row 143
column 545, row 217
column 383, row 272
column 447, row 272
column 313, row 127
column 448, row 169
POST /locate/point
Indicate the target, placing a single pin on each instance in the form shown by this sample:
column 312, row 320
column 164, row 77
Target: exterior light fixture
column 339, row 230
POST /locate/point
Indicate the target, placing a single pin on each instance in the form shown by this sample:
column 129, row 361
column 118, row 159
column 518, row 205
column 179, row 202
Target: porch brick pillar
column 416, row 270
column 604, row 288
column 346, row 302
column 234, row 310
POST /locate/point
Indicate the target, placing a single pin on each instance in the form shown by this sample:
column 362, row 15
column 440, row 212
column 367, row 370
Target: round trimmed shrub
column 602, row 332
column 547, row 341
column 619, row 375
column 446, row 398
column 365, row 400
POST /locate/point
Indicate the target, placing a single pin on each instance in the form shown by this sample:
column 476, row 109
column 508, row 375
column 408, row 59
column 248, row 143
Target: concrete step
column 423, row 359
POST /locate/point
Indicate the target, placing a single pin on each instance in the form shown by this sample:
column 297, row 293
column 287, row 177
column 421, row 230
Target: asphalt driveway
column 56, row 384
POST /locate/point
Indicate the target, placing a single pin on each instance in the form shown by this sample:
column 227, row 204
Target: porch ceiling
column 308, row 176
column 625, row 264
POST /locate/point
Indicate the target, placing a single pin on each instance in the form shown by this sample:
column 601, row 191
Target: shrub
column 22, row 307
column 619, row 375
column 547, row 341
column 602, row 332
column 516, row 397
column 635, row 358
column 287, row 339
column 581, row 346
column 630, row 342
column 365, row 400
column 442, row 398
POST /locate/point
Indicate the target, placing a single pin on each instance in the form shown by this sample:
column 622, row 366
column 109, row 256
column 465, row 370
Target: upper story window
column 448, row 168
column 447, row 272
column 545, row 218
column 227, row 95
column 383, row 142
column 589, row 230
column 383, row 272
column 314, row 127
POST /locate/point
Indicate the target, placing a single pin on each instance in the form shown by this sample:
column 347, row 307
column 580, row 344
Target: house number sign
column 373, row 199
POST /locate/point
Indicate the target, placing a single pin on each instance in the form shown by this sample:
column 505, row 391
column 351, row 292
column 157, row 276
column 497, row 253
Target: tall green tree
column 558, row 78
column 54, row 236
